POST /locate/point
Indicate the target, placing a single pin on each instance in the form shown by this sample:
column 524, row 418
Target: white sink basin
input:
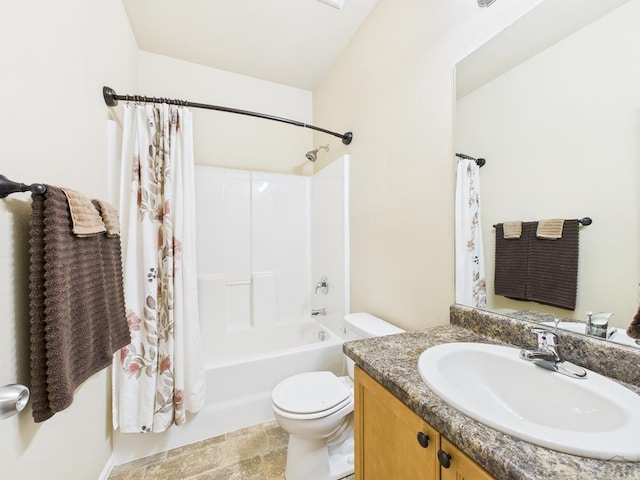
column 593, row 417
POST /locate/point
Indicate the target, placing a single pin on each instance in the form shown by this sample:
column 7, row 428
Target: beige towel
column 550, row 229
column 85, row 217
column 512, row 229
column 109, row 217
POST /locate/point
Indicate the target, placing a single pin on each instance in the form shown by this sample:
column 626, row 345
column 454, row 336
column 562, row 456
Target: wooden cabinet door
column 388, row 436
column 461, row 467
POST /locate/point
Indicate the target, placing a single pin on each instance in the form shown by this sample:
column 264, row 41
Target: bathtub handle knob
column 423, row 440
column 323, row 285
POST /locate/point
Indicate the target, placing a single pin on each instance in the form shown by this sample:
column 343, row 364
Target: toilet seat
column 311, row 395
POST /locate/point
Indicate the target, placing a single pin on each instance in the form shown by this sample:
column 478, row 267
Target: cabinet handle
column 423, row 439
column 444, row 458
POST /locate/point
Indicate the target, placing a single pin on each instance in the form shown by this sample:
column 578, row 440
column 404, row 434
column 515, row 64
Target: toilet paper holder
column 13, row 399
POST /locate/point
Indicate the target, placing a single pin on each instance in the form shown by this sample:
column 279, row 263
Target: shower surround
column 264, row 240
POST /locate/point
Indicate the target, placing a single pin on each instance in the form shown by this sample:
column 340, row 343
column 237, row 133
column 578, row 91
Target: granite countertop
column 392, row 361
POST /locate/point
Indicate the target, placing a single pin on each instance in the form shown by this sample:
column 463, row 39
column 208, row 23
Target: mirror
column 553, row 104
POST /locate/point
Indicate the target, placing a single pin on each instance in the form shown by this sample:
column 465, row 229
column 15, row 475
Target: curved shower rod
column 111, row 99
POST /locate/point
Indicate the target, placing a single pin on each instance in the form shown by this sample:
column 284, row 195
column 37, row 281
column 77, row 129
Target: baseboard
column 106, row 471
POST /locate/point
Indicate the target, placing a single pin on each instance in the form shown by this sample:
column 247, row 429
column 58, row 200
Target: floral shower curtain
column 160, row 375
column 471, row 286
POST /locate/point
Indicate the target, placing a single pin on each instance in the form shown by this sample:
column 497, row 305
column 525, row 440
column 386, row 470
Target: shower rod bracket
column 109, row 95
column 111, row 99
column 481, row 162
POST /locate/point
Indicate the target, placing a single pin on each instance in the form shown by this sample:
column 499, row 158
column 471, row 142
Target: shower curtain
column 160, row 375
column 471, row 286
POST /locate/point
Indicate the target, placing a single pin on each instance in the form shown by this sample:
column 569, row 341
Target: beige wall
column 561, row 133
column 394, row 87
column 54, row 59
column 229, row 140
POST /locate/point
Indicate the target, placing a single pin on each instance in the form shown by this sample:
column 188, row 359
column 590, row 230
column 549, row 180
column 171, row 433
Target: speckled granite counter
column 392, row 361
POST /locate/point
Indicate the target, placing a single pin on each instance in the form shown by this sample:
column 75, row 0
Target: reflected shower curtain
column 160, row 375
column 471, row 288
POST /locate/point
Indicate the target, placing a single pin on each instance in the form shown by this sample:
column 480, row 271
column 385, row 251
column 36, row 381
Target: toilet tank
column 365, row 325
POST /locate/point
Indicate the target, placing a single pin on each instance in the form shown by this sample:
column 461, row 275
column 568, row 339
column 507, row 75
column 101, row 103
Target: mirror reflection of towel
column 538, row 269
column 552, row 276
column 512, row 229
column 550, row 229
column 512, row 256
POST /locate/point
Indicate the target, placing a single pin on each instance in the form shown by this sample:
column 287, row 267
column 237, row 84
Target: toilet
column 316, row 409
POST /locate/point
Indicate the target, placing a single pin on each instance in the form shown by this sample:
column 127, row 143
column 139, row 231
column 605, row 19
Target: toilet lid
column 310, row 392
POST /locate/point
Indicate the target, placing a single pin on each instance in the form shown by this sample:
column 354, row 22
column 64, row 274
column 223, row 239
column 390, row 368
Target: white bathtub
column 239, row 391
column 239, row 385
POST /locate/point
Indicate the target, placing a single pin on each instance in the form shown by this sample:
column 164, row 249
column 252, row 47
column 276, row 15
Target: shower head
column 312, row 155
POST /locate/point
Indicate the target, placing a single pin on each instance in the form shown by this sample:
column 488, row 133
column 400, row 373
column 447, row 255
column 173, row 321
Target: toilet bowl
column 316, row 409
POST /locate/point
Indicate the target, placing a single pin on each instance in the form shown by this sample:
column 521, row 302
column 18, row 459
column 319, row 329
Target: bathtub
column 239, row 381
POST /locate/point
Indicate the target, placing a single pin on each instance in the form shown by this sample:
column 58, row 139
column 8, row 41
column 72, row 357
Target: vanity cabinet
column 461, row 466
column 393, row 442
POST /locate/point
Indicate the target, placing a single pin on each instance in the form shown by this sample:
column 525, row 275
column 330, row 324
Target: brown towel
column 552, row 274
column 512, row 229
column 512, row 257
column 551, row 229
column 84, row 215
column 633, row 330
column 535, row 269
column 77, row 308
column 109, row 216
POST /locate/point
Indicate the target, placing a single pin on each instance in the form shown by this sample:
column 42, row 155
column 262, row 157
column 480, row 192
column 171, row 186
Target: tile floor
column 254, row 453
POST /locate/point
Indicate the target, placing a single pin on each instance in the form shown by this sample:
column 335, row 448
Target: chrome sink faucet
column 548, row 355
column 548, row 348
column 598, row 324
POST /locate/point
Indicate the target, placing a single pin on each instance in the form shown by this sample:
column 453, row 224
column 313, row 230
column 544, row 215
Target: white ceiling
column 546, row 24
column 293, row 42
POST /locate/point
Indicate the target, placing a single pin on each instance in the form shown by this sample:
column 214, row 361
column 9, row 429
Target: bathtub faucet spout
column 320, row 311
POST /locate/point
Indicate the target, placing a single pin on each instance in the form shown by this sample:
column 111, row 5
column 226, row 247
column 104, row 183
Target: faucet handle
column 323, row 285
column 545, row 337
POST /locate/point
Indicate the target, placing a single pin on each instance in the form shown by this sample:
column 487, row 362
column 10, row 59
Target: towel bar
column 7, row 187
column 582, row 221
